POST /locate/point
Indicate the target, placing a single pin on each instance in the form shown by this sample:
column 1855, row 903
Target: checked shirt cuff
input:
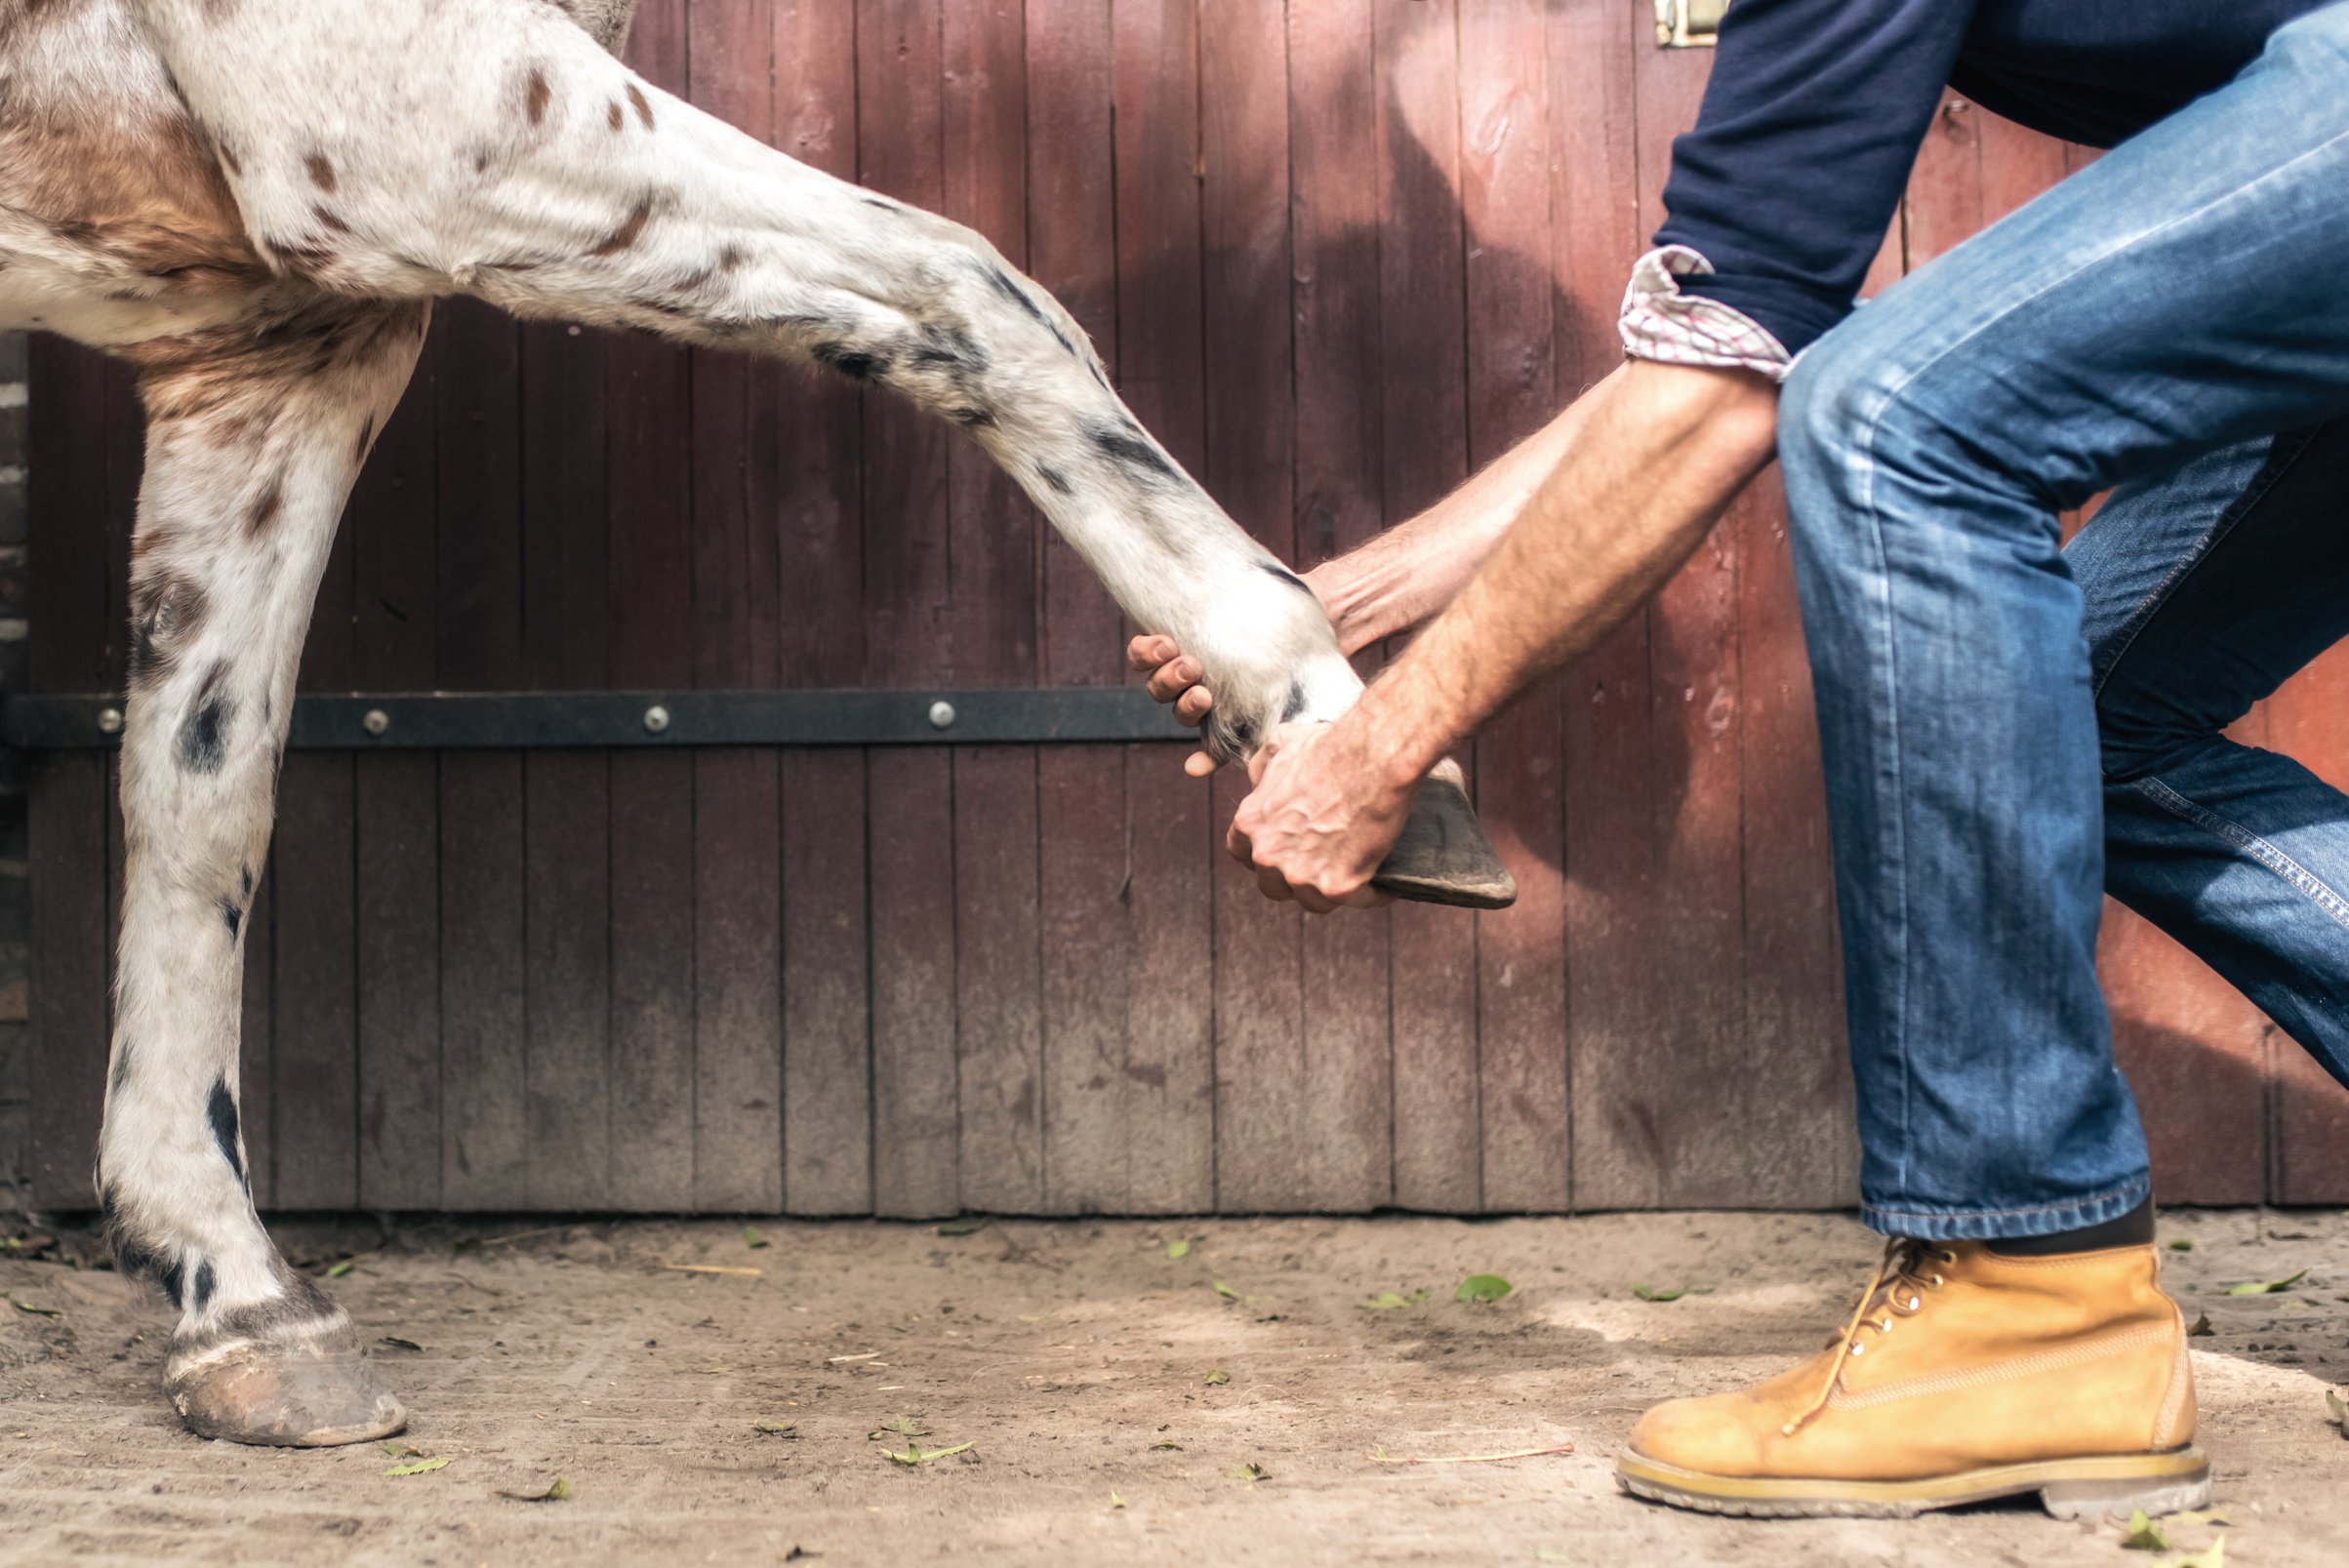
column 1659, row 322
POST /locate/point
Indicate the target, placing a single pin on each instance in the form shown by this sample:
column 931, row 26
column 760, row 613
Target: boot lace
column 1910, row 1272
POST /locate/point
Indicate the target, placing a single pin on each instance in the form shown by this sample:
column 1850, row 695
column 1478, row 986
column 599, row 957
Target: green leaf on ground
column 441, row 1462
column 2267, row 1287
column 1174, row 1448
column 2144, row 1534
column 37, row 1311
column 1217, row 1378
column 915, row 1454
column 556, row 1489
column 1225, row 1291
column 963, row 1226
column 338, row 1270
column 1650, row 1292
column 901, row 1426
column 1387, row 1300
column 2201, row 1328
column 751, row 1237
column 1251, row 1473
column 399, row 1344
column 2181, row 1245
column 1177, row 1249
column 777, row 1428
column 1482, row 1288
column 2338, row 1407
column 2214, row 1555
column 1116, row 1501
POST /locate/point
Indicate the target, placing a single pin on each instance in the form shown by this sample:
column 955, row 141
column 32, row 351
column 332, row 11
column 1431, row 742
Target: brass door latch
column 1689, row 23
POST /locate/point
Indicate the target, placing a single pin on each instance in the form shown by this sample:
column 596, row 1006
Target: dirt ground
column 1084, row 1366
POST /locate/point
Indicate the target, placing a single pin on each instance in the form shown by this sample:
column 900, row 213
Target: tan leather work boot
column 1962, row 1376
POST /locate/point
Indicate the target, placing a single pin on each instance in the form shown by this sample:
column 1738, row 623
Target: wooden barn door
column 1338, row 254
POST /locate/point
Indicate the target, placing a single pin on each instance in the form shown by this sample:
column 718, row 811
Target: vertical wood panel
column 1521, row 981
column 1422, row 401
column 827, row 1019
column 992, row 636
column 738, row 821
column 66, row 494
column 1347, row 1096
column 1262, row 1159
column 396, row 821
column 906, row 586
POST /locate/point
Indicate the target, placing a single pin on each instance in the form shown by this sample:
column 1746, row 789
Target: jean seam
column 2271, row 473
column 2025, row 1211
column 2310, row 886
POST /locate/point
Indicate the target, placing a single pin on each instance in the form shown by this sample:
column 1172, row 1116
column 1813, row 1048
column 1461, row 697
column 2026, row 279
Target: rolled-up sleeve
column 1810, row 122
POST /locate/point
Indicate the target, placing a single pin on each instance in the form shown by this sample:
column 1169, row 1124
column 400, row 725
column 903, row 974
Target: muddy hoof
column 1442, row 856
column 305, row 1389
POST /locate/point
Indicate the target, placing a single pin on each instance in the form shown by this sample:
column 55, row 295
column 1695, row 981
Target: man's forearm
column 1658, row 454
column 1414, row 569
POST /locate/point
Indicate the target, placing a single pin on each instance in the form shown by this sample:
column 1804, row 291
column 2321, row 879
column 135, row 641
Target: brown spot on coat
column 329, row 218
column 642, row 104
column 322, row 173
column 266, row 508
column 620, row 238
column 536, row 96
column 617, row 116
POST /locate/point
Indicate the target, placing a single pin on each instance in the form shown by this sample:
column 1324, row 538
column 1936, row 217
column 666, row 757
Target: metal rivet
column 375, row 721
column 941, row 715
column 656, row 718
column 109, row 721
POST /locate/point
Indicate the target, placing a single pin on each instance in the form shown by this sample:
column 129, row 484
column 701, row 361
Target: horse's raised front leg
column 251, row 449
column 494, row 148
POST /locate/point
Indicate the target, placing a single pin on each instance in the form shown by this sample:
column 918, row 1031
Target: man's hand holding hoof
column 1324, row 812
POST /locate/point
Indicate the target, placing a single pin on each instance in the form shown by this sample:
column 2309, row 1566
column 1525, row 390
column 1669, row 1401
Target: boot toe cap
column 1719, row 1436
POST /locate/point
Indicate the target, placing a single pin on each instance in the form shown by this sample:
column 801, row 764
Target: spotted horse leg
column 492, row 148
column 252, row 441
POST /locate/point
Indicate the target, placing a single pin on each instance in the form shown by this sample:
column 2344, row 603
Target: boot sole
column 2095, row 1487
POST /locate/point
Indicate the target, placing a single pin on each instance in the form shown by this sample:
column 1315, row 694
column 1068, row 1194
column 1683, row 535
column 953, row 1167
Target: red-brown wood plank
column 1423, row 403
column 1085, row 936
column 1263, row 1161
column 649, row 413
column 738, row 908
column 917, row 1122
column 395, row 802
column 513, row 1133
column 991, row 544
column 65, row 498
column 1512, row 389
column 827, row 1022
column 1347, row 1097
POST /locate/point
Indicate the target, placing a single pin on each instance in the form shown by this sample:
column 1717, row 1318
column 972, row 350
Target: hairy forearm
column 1414, row 569
column 1658, row 454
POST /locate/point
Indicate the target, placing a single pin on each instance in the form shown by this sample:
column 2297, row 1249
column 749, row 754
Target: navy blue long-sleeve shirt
column 1816, row 107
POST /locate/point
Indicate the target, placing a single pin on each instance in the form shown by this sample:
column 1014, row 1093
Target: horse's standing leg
column 252, row 441
column 494, row 148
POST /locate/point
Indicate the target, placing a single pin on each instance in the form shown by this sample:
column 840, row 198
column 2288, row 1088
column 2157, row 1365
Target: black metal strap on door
column 365, row 721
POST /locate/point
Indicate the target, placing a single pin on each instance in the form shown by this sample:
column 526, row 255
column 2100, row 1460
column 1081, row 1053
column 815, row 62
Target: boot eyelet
column 1915, row 1302
column 1857, row 1348
column 1937, row 1282
column 1885, row 1325
column 1946, row 1257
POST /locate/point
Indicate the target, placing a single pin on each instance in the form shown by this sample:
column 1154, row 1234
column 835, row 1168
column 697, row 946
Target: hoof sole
column 314, row 1391
column 1442, row 856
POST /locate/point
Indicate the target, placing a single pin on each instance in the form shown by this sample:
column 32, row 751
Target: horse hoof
column 304, row 1389
column 1442, row 856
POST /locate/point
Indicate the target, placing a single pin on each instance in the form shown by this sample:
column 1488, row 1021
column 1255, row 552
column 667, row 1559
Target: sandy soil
column 1082, row 1365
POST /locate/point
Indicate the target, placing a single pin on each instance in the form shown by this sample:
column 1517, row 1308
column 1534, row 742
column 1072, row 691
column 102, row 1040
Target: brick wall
column 15, row 1109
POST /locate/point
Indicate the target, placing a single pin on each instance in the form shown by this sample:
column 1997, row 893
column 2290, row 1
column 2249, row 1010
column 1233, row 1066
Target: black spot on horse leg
column 1295, row 704
column 1129, row 447
column 244, row 873
column 1057, row 481
column 219, row 1109
column 231, row 916
column 1001, row 281
column 171, row 1277
column 122, row 1063
column 852, row 363
column 201, row 1291
column 204, row 735
column 974, row 418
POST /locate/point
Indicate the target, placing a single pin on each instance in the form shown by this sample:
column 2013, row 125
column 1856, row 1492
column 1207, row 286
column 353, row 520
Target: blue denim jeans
column 2011, row 727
